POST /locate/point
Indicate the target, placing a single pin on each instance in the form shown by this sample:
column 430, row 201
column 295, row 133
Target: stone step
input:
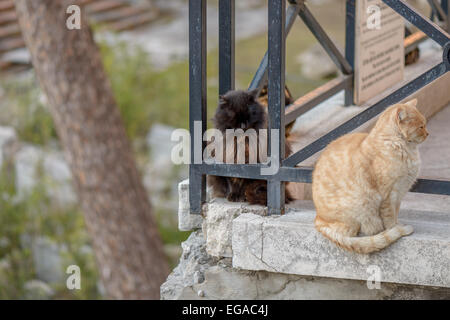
column 290, row 244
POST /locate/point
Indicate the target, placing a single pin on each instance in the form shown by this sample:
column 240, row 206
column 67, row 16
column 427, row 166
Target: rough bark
column 126, row 242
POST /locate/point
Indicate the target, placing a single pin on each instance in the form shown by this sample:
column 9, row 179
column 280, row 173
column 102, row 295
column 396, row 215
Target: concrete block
column 186, row 221
column 217, row 226
column 290, row 244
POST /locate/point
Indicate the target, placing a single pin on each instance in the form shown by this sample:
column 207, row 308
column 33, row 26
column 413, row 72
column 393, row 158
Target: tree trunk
column 117, row 211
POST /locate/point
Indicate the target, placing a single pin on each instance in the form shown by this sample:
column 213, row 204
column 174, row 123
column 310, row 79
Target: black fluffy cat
column 241, row 110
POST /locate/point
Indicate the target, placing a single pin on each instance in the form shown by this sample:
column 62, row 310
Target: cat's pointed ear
column 222, row 98
column 412, row 103
column 401, row 114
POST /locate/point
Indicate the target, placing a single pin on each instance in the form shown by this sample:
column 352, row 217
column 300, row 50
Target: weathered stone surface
column 161, row 174
column 159, row 142
column 217, row 224
column 186, row 221
column 38, row 290
column 19, row 56
column 31, row 161
column 8, row 140
column 47, row 260
column 199, row 276
column 290, row 244
column 193, row 262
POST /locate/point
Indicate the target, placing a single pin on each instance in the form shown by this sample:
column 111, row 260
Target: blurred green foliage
column 145, row 96
column 24, row 218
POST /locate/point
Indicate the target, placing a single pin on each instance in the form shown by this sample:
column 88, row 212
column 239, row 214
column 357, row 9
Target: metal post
column 444, row 4
column 276, row 75
column 261, row 74
column 350, row 46
column 226, row 45
column 197, row 100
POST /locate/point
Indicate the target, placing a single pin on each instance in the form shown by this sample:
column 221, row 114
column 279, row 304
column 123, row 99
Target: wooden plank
column 105, row 5
column 134, row 21
column 6, row 5
column 7, row 17
column 313, row 98
column 9, row 30
column 13, row 68
column 11, row 44
column 5, row 64
column 84, row 2
column 413, row 40
column 118, row 14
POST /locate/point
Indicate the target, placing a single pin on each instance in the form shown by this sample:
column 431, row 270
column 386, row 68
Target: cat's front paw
column 235, row 197
column 406, row 230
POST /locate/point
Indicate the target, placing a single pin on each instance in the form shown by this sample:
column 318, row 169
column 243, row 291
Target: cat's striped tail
column 366, row 244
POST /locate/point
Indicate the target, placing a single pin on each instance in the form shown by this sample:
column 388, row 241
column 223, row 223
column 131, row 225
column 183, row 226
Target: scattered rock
column 47, row 260
column 4, row 242
column 18, row 56
column 193, row 262
column 161, row 174
column 160, row 144
column 186, row 220
column 8, row 143
column 4, row 265
column 30, row 160
column 38, row 290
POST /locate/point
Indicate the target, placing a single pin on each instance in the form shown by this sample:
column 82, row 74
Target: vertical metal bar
column 438, row 10
column 350, row 45
column 444, row 5
column 261, row 74
column 276, row 75
column 226, row 45
column 197, row 99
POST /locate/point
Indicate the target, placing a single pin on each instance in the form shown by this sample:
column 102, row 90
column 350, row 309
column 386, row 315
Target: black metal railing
column 272, row 69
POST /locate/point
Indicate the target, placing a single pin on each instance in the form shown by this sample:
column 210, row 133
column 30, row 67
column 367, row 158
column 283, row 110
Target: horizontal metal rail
column 429, row 28
column 261, row 73
column 304, row 175
column 413, row 40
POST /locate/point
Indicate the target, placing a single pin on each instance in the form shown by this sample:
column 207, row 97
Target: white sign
column 379, row 50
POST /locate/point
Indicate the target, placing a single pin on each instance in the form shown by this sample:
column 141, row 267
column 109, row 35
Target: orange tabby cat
column 360, row 179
